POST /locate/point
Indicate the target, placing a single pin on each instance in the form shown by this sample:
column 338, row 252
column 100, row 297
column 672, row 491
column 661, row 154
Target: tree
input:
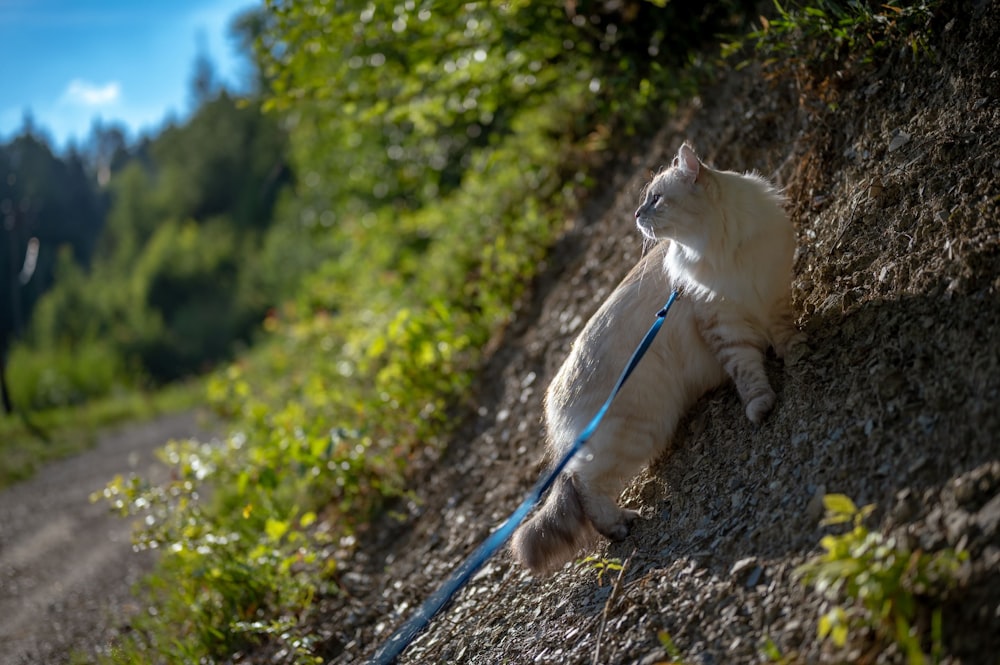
column 45, row 202
column 162, row 236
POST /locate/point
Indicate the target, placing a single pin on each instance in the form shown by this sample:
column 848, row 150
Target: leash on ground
column 405, row 634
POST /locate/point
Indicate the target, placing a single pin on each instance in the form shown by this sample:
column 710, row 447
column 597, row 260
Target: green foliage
column 185, row 279
column 64, row 376
column 133, row 217
column 228, row 160
column 48, row 202
column 224, row 562
column 64, row 314
column 771, row 653
column 174, row 283
column 814, row 34
column 602, row 565
column 884, row 582
column 673, row 652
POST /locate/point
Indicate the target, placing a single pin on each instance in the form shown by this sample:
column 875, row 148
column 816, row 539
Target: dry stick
column 607, row 607
column 843, row 230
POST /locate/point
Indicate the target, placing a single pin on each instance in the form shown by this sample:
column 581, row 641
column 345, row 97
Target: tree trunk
column 8, row 408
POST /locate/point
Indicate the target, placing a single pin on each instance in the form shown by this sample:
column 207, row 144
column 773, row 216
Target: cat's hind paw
column 620, row 529
column 761, row 405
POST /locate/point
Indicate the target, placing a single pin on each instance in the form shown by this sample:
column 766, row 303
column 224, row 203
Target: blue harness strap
column 405, row 634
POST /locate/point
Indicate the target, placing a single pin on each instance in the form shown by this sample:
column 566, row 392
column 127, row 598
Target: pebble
column 988, row 517
column 815, row 508
column 900, row 139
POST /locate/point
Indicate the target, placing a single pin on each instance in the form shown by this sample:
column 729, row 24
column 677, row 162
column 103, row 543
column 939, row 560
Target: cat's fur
column 726, row 243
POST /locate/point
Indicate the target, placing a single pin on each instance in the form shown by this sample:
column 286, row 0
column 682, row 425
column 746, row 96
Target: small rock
column 747, row 572
column 876, row 187
column 965, row 491
column 814, row 509
column 899, row 140
column 956, row 525
column 653, row 657
column 904, row 509
column 917, row 464
column 988, row 517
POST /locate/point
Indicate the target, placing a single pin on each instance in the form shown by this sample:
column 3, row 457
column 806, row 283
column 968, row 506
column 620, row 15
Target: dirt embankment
column 893, row 176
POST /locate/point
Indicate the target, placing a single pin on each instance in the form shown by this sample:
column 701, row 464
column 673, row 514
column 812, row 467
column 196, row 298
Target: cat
column 724, row 241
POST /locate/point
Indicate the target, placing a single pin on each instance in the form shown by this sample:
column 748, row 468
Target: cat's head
column 676, row 203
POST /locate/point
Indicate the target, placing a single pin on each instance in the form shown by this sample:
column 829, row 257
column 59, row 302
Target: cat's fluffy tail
column 555, row 533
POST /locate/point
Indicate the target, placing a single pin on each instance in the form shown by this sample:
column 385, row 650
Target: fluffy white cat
column 726, row 243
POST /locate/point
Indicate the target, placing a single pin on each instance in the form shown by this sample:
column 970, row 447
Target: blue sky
column 68, row 62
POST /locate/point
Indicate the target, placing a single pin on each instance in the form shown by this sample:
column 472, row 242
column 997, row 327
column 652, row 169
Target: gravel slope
column 893, row 178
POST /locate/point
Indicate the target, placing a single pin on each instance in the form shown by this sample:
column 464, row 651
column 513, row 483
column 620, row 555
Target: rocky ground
column 893, row 177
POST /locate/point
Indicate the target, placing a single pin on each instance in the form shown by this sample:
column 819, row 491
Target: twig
column 843, row 230
column 607, row 607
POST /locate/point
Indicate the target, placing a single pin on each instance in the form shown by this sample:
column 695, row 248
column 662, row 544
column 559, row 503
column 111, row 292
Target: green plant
column 63, row 375
column 884, row 583
column 809, row 34
column 673, row 652
column 771, row 653
column 234, row 567
column 602, row 565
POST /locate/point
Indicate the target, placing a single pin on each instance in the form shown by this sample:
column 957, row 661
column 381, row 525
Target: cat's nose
column 637, row 212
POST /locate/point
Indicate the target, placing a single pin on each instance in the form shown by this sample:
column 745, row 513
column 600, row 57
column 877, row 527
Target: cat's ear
column 688, row 162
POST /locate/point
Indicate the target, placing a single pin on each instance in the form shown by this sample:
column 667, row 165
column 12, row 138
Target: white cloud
column 83, row 93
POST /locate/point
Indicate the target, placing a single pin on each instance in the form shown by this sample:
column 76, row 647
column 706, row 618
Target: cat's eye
column 655, row 199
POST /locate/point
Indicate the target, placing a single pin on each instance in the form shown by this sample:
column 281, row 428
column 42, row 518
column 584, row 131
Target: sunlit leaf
column 275, row 529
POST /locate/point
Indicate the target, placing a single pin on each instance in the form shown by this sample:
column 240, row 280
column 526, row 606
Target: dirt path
column 66, row 565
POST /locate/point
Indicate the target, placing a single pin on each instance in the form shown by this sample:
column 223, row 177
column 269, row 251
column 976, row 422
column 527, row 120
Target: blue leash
column 405, row 634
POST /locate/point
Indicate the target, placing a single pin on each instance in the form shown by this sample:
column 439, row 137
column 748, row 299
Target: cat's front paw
column 761, row 405
column 619, row 530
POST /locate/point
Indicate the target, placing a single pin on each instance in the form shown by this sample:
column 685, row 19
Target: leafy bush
column 185, row 279
column 884, row 582
column 815, row 35
column 171, row 287
column 225, row 564
column 64, row 376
